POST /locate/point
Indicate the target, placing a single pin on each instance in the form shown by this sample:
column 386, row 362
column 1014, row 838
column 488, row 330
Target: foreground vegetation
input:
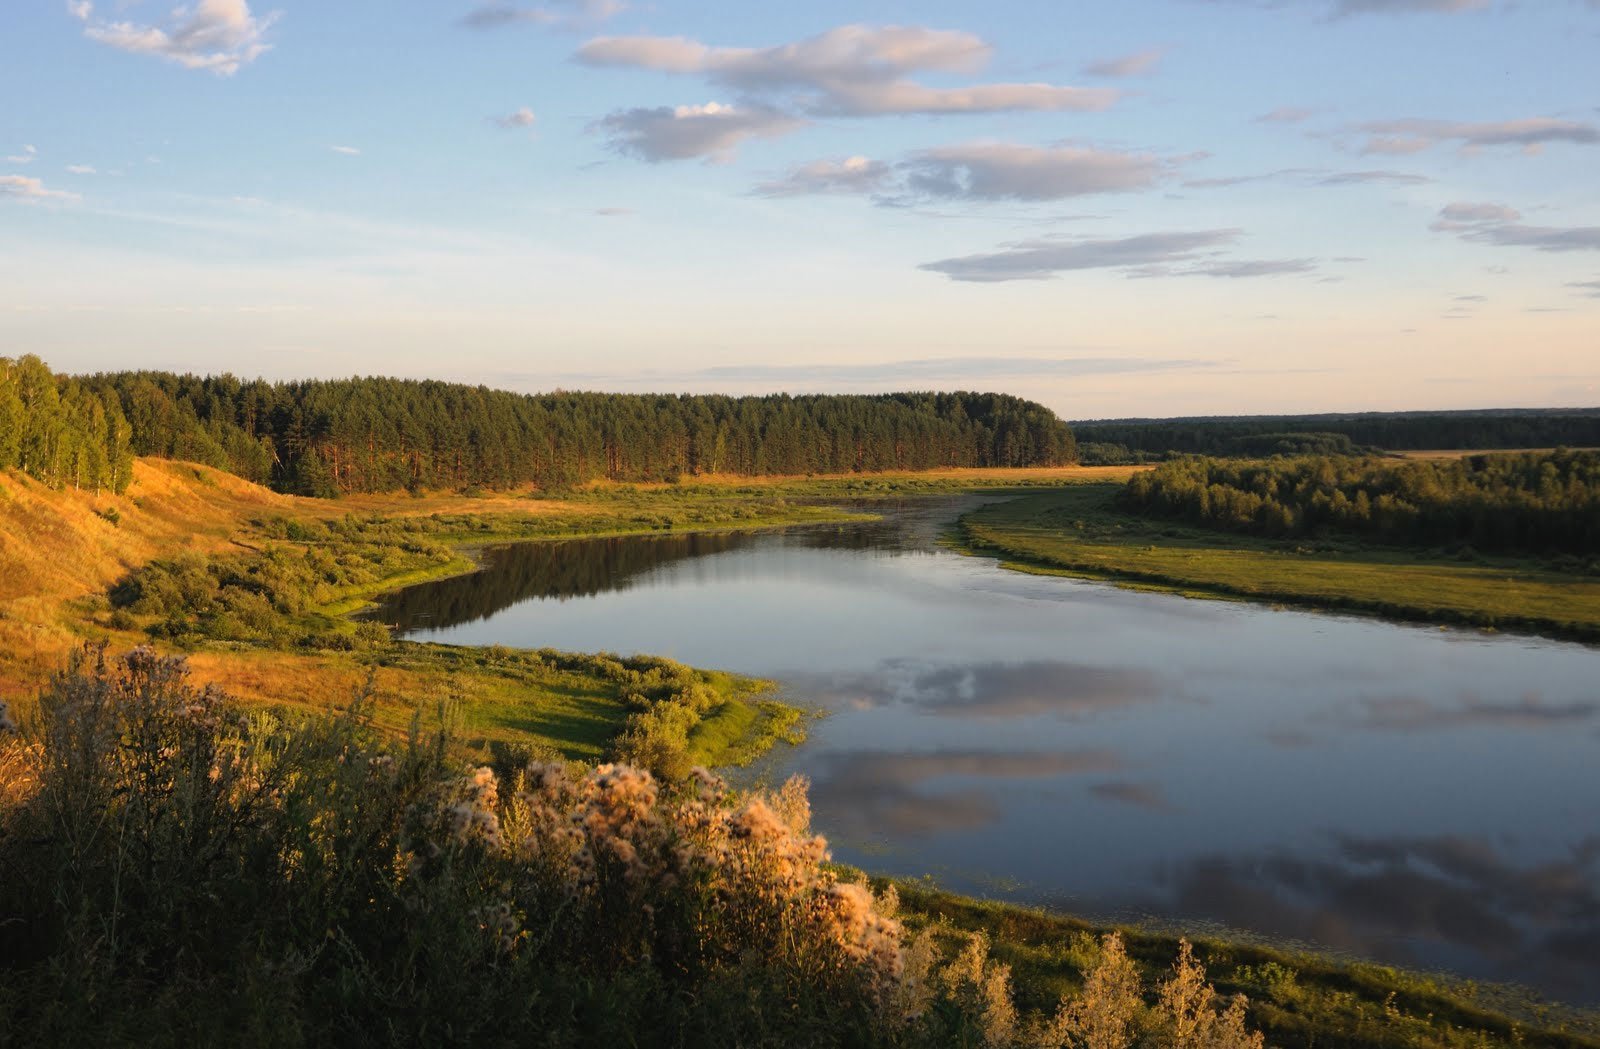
column 180, row 871
column 1082, row 531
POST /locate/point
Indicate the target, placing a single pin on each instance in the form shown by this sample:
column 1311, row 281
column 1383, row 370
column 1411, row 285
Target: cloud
column 521, row 118
column 865, row 795
column 1005, row 171
column 1286, row 115
column 850, row 175
column 1414, row 135
column 613, row 213
column 560, row 13
column 712, row 131
column 1140, row 63
column 80, row 169
column 1313, row 177
column 1501, row 226
column 346, row 151
column 852, row 70
column 1354, row 178
column 1237, row 269
column 977, row 171
column 1346, row 8
column 27, row 156
column 1453, row 216
column 21, row 187
column 1141, row 795
column 1590, row 288
column 220, row 36
column 1043, row 259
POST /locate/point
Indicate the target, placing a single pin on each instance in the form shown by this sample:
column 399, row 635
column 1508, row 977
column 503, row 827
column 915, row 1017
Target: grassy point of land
column 1077, row 531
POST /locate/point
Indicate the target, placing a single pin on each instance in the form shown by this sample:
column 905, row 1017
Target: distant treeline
column 1532, row 502
column 368, row 435
column 1138, row 440
column 65, row 433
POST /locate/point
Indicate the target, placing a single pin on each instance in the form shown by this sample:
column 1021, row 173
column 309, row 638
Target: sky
column 1115, row 207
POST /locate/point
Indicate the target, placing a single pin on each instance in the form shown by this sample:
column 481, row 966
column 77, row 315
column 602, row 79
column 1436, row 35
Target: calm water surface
column 1416, row 796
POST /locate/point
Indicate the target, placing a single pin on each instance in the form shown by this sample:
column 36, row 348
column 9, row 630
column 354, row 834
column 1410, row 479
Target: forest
column 1141, row 440
column 62, row 432
column 371, row 435
column 1538, row 503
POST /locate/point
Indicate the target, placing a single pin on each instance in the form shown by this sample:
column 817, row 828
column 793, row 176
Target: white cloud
column 21, row 187
column 1140, row 63
column 712, row 131
column 852, row 70
column 80, row 169
column 346, row 151
column 1414, row 135
column 27, row 156
column 221, row 36
column 523, row 117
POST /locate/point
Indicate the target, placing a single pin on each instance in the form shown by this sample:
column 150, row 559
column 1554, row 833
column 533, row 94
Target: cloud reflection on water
column 865, row 795
column 1445, row 901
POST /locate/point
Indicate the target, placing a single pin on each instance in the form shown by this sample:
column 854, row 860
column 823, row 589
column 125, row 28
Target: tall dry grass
column 174, row 870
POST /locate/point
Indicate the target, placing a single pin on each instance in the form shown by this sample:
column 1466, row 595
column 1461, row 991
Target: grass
column 1077, row 531
column 1297, row 999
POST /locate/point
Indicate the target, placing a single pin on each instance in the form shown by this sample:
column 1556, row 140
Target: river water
column 1411, row 795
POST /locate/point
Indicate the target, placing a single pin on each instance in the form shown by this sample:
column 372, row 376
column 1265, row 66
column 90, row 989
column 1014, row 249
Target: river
column 1421, row 797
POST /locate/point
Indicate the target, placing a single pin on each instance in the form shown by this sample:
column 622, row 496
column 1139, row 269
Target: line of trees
column 1134, row 440
column 374, row 434
column 1533, row 502
column 60, row 431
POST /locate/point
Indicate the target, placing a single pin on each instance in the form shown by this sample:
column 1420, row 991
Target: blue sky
column 1141, row 207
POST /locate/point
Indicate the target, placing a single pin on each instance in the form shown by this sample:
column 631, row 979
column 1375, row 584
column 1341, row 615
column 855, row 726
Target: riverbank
column 1299, row 999
column 1078, row 531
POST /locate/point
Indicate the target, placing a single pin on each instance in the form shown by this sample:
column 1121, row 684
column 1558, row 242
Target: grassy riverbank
column 1078, row 531
column 1298, row 999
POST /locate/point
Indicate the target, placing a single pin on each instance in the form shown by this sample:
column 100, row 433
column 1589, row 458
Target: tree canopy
column 375, row 434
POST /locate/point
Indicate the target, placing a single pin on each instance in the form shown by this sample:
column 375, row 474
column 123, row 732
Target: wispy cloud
column 345, row 151
column 80, row 169
column 1415, row 135
column 712, row 131
column 1590, row 288
column 852, row 175
column 220, row 36
column 559, row 13
column 1502, row 226
column 1140, row 63
column 21, row 187
column 1286, row 115
column 1043, row 259
column 27, row 156
column 520, row 118
column 1313, row 177
column 977, row 171
column 852, row 70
